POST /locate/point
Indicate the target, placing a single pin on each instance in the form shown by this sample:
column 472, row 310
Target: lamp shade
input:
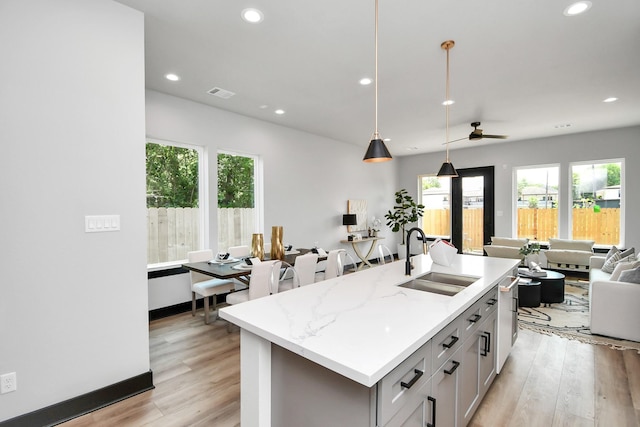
column 349, row 219
column 447, row 169
column 377, row 152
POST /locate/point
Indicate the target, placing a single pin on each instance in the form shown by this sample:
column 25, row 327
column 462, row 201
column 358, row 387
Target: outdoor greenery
column 172, row 176
column 404, row 212
column 235, row 181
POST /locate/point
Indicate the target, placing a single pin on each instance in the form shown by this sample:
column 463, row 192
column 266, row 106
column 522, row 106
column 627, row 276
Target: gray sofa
column 614, row 305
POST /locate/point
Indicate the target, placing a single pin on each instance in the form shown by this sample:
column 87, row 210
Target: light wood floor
column 547, row 381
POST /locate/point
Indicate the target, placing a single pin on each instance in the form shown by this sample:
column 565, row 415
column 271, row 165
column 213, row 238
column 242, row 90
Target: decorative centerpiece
column 530, row 252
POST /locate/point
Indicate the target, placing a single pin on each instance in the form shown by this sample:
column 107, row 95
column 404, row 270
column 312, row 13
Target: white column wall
column 73, row 305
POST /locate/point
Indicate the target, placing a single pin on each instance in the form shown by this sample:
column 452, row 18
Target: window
column 537, row 202
column 239, row 199
column 174, row 193
column 597, row 190
column 435, row 195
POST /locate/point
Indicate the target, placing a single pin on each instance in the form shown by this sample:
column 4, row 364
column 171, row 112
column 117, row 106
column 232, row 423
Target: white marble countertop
column 362, row 325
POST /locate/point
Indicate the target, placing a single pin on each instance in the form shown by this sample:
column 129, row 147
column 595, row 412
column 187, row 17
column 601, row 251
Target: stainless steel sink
column 440, row 283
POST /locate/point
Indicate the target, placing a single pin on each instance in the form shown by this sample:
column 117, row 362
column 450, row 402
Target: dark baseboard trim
column 81, row 405
column 167, row 272
column 182, row 307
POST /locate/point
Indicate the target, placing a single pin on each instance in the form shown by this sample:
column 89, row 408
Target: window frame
column 203, row 200
column 514, row 215
column 258, row 187
column 569, row 204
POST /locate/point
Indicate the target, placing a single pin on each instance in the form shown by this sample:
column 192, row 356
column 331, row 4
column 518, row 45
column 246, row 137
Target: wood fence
column 535, row 224
column 172, row 232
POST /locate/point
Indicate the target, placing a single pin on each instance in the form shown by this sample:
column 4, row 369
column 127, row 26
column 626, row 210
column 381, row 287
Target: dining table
column 236, row 268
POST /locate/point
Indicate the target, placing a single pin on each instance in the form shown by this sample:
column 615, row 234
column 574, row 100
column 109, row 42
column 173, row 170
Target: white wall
column 307, row 178
column 73, row 305
column 608, row 144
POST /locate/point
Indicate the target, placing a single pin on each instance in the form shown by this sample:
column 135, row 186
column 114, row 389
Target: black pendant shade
column 447, row 169
column 377, row 152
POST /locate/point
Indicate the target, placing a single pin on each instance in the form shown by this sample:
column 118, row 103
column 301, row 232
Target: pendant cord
column 375, row 134
column 447, row 101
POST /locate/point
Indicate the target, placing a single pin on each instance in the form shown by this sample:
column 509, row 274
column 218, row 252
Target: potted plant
column 530, row 252
column 405, row 211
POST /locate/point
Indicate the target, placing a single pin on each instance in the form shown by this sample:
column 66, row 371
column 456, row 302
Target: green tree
column 172, row 176
column 613, row 174
column 430, row 182
column 235, row 181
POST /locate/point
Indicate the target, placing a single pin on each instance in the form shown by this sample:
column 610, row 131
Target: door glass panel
column 435, row 196
column 472, row 214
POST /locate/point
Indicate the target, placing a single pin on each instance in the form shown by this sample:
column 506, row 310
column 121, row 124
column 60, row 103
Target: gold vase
column 277, row 248
column 257, row 246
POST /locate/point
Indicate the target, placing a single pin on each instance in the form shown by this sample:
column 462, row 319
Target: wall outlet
column 8, row 383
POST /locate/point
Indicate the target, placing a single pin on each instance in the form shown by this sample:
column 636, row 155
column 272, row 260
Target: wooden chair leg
column 193, row 303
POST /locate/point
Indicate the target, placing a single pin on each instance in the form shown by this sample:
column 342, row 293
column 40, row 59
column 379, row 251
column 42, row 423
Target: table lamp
column 349, row 219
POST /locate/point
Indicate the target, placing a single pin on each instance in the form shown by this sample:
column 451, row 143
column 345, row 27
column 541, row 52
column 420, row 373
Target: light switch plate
column 101, row 223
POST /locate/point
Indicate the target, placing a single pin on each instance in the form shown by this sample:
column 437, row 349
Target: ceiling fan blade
column 495, row 136
column 455, row 140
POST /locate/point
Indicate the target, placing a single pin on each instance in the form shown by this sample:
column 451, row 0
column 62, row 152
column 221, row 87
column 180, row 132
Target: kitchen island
column 347, row 335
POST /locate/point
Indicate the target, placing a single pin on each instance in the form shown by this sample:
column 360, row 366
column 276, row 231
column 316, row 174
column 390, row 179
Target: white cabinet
column 445, row 388
column 441, row 384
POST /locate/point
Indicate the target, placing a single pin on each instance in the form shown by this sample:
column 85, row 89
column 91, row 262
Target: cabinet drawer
column 489, row 302
column 471, row 319
column 402, row 384
column 446, row 342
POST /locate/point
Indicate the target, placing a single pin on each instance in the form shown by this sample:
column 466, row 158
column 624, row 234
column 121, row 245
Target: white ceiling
column 521, row 67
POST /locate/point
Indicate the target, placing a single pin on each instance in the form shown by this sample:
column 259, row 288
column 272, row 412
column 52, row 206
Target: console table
column 356, row 248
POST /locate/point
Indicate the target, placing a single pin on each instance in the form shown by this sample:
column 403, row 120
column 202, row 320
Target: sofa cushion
column 508, row 241
column 503, row 251
column 631, row 276
column 623, row 266
column 572, row 245
column 596, row 274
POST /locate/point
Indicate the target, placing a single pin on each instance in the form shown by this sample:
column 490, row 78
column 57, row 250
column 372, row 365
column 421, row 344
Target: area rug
column 569, row 319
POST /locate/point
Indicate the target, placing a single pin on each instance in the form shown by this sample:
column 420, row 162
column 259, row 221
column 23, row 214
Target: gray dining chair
column 206, row 286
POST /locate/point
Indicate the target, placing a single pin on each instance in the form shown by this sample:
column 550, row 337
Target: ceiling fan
column 476, row 134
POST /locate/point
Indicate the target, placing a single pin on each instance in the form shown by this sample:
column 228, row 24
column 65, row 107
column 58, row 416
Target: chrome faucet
column 407, row 266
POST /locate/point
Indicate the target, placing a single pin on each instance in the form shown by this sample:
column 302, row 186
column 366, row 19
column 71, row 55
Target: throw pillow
column 632, row 276
column 623, row 266
column 628, row 252
column 611, row 252
column 610, row 262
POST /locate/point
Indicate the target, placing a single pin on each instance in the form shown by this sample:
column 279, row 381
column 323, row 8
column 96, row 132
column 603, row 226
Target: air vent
column 220, row 93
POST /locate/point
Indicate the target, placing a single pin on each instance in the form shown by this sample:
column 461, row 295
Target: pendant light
column 447, row 168
column 377, row 151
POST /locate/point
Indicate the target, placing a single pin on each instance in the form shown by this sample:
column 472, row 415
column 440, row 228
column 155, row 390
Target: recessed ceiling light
column 612, row 99
column 172, row 77
column 448, row 102
column 577, row 8
column 279, row 112
column 365, row 81
column 252, row 15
